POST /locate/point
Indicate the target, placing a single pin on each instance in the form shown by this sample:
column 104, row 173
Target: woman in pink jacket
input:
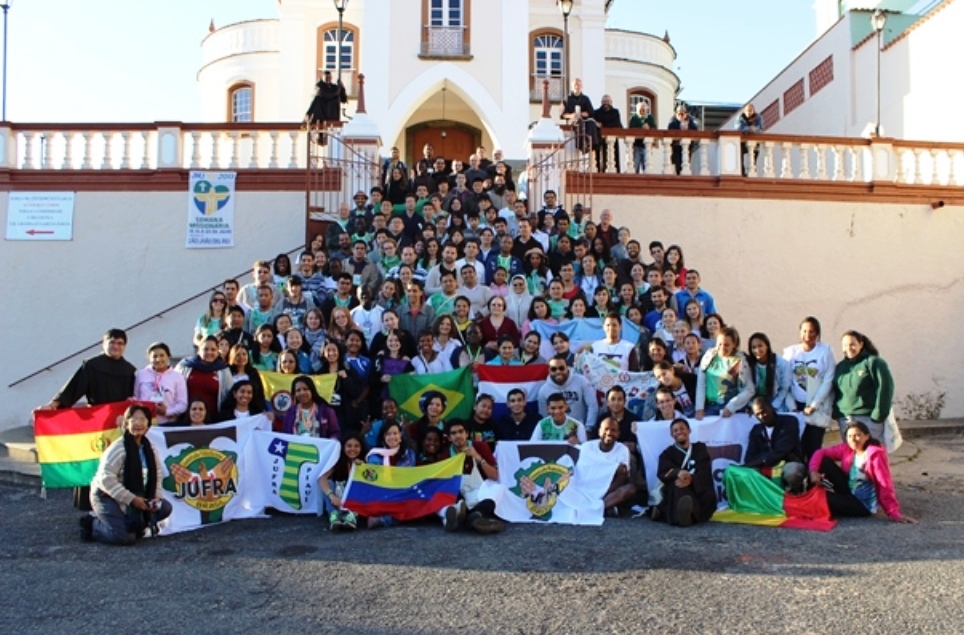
column 861, row 481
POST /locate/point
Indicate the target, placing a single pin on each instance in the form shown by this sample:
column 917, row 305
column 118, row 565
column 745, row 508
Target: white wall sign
column 40, row 216
column 210, row 210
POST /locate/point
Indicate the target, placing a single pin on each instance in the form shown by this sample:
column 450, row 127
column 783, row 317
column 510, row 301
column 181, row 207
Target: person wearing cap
column 361, row 209
column 159, row 383
column 125, row 494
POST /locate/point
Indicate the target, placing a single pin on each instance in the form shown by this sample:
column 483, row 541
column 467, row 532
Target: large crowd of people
column 443, row 266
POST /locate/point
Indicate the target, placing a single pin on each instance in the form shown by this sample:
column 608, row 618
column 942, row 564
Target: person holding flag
column 479, row 465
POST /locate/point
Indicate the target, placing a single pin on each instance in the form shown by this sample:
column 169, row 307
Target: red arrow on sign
column 33, row 232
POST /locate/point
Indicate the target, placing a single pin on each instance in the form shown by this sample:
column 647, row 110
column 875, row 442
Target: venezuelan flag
column 405, row 493
column 70, row 441
column 757, row 499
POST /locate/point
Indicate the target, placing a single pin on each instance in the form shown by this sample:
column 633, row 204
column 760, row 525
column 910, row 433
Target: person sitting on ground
column 126, row 494
column 479, row 465
column 333, row 482
column 430, row 449
column 394, row 449
column 607, row 448
column 558, row 426
column 772, row 453
column 861, row 481
column 686, row 472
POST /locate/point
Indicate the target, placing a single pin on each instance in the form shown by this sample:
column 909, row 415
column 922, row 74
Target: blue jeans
column 110, row 522
column 639, row 159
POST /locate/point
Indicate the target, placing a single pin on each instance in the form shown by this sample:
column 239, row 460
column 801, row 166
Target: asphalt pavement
column 290, row 575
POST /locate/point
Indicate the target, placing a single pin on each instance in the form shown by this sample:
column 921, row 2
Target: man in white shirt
column 613, row 348
column 608, row 449
column 477, row 294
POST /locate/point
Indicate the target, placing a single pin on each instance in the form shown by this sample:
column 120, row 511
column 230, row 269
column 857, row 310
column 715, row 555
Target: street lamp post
column 5, row 5
column 877, row 21
column 565, row 6
column 340, row 5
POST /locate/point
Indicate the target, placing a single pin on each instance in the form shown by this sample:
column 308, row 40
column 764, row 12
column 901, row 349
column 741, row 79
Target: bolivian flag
column 405, row 493
column 70, row 441
column 456, row 385
column 755, row 499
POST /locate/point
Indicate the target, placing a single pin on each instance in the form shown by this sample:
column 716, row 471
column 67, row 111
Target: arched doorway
column 450, row 139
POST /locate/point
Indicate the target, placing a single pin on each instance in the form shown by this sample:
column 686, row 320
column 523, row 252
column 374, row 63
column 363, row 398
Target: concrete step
column 18, row 444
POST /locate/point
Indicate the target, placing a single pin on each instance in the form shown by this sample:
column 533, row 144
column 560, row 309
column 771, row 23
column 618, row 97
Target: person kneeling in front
column 479, row 465
column 125, row 494
column 686, row 472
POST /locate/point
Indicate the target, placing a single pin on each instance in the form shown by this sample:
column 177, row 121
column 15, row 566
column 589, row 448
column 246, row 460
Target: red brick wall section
column 771, row 114
column 821, row 75
column 793, row 98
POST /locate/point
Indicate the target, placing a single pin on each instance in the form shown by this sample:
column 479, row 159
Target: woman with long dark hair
column 241, row 402
column 334, row 481
column 863, row 386
column 811, row 390
column 771, row 374
column 214, row 319
column 206, row 375
column 348, row 385
column 862, row 479
column 393, row 449
column 126, row 495
column 309, row 414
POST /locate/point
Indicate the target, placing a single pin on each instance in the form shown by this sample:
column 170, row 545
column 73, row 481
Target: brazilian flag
column 456, row 385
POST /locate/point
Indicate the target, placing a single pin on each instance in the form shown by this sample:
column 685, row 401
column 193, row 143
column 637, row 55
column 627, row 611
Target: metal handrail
column 136, row 324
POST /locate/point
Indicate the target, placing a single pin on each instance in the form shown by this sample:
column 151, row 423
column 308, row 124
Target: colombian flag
column 70, row 441
column 456, row 385
column 756, row 499
column 405, row 493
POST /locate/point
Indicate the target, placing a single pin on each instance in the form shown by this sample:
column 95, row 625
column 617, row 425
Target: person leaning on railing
column 749, row 122
column 641, row 119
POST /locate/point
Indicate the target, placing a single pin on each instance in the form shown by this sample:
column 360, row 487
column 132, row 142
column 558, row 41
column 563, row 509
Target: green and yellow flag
column 70, row 441
column 456, row 385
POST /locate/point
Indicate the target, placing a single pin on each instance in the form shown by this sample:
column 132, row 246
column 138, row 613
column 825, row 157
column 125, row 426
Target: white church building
column 455, row 73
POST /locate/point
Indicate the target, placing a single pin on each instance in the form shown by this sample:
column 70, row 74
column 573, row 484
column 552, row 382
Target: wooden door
column 457, row 143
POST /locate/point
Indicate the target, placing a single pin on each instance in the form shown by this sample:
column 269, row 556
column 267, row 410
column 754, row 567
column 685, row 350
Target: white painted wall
column 913, row 81
column 893, row 272
column 126, row 262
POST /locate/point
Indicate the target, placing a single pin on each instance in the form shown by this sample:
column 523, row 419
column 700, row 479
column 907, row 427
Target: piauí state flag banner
column 456, row 385
column 604, row 375
column 499, row 380
column 755, row 498
column 542, row 482
column 277, row 389
column 208, row 476
column 580, row 331
column 290, row 465
column 405, row 493
column 71, row 441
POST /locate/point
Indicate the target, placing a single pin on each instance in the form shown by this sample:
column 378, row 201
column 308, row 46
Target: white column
column 170, row 147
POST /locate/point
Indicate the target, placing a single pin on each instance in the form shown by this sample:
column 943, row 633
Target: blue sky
column 136, row 60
